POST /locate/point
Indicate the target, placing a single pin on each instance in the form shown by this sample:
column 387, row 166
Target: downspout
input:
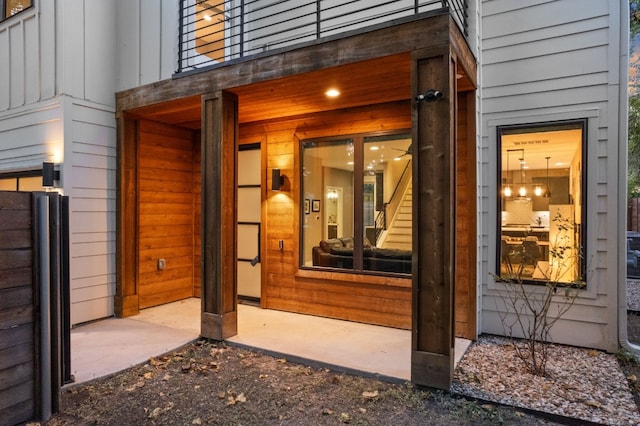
column 623, row 147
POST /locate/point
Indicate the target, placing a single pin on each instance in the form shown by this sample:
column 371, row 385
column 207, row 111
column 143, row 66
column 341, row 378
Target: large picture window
column 541, row 181
column 356, row 208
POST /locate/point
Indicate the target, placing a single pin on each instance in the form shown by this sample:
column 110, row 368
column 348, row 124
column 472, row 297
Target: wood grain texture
column 17, row 334
column 166, row 205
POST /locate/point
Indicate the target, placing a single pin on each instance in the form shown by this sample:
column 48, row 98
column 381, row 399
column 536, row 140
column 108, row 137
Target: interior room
column 541, row 202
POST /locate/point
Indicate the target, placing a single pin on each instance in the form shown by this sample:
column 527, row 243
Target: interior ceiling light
column 374, row 148
column 207, row 17
column 332, row 93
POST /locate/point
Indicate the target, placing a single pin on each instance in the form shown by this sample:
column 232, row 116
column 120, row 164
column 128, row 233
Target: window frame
column 358, row 140
column 21, row 174
column 3, row 11
column 581, row 123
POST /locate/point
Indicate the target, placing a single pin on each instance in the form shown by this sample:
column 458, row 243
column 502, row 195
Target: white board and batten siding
column 147, row 41
column 57, row 103
column 552, row 60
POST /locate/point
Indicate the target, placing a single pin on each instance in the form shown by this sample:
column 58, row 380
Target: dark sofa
column 338, row 253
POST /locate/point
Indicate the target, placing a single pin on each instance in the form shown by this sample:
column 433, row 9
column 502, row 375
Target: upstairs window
column 13, row 7
column 541, row 203
column 356, row 209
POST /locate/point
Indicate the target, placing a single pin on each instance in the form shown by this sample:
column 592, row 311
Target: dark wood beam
column 126, row 297
column 219, row 239
column 426, row 32
column 432, row 347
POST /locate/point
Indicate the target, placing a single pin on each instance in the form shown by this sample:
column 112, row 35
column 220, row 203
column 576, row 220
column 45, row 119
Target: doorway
column 248, row 222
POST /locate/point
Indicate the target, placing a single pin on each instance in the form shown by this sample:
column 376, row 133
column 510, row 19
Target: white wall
column 552, row 60
column 58, row 67
column 147, row 41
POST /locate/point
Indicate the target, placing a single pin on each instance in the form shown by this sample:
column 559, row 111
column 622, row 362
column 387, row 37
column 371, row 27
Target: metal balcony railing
column 217, row 31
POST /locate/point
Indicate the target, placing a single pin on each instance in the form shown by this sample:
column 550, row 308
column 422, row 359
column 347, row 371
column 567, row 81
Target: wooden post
column 219, row 139
column 434, row 212
column 126, row 297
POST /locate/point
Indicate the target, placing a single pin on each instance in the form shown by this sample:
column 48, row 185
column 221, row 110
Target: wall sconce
column 49, row 174
column 277, row 180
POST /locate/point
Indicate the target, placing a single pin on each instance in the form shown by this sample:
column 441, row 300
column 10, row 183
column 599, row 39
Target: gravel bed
column 633, row 295
column 581, row 383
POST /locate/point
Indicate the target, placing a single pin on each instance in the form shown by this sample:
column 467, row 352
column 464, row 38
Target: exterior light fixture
column 332, row 93
column 277, row 180
column 49, row 175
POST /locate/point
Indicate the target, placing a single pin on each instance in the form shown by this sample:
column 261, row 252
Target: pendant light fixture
column 548, row 193
column 523, row 190
column 507, row 188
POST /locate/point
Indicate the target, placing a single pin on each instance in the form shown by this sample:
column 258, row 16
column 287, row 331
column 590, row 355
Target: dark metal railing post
column 271, row 27
column 181, row 36
column 318, row 19
column 241, row 28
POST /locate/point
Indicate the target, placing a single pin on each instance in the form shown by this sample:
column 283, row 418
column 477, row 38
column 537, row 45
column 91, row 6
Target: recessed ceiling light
column 332, row 93
column 374, row 148
column 350, row 163
column 207, row 17
column 397, row 159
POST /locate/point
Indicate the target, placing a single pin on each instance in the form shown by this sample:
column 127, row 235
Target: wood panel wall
column 197, row 217
column 465, row 274
column 167, row 213
column 17, row 348
column 362, row 298
column 376, row 300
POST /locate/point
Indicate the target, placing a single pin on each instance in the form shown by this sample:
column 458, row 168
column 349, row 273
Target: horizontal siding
column 30, row 136
column 89, row 180
column 545, row 60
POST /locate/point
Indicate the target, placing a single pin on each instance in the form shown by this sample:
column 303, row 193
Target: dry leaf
column 632, row 378
column 135, row 386
column 241, row 398
column 148, row 375
column 197, row 421
column 231, row 401
column 362, row 410
column 282, row 360
column 327, row 412
column 221, row 394
column 593, row 352
column 186, row 367
column 345, row 418
column 370, row 394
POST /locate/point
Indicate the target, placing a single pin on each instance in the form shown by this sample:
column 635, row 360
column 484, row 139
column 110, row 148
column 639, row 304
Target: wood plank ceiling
column 381, row 80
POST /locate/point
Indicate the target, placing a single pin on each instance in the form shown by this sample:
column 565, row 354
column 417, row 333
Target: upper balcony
column 219, row 31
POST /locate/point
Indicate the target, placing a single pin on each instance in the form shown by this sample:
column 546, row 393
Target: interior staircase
column 398, row 235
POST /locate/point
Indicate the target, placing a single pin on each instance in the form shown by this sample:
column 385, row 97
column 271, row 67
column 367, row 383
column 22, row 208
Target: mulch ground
column 211, row 383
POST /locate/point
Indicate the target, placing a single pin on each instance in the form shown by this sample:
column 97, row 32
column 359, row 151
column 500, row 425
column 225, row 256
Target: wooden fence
column 33, row 333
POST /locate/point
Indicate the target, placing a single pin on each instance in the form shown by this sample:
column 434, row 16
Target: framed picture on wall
column 307, row 206
column 315, row 206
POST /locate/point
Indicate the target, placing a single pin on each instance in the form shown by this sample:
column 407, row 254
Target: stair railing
column 390, row 207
